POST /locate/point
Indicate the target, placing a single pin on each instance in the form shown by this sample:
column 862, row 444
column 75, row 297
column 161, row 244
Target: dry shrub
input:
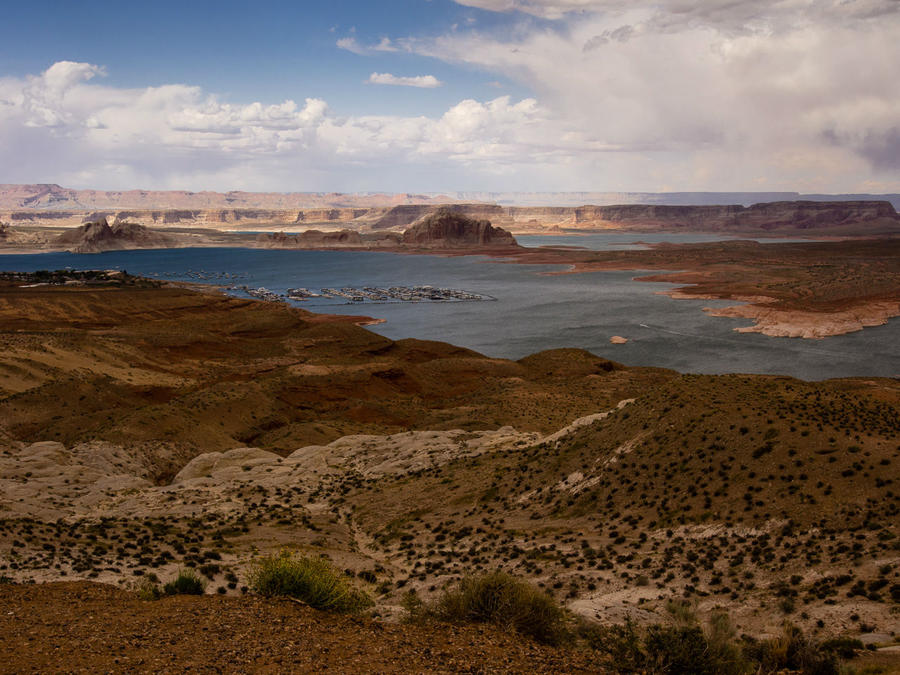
column 313, row 580
column 501, row 599
column 188, row 582
column 793, row 651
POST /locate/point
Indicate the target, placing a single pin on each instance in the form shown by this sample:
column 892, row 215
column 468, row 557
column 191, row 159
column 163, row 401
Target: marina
column 533, row 311
column 368, row 294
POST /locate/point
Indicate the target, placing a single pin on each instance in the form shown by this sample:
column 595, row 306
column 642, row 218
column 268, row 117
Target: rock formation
column 448, row 229
column 407, row 214
column 99, row 236
column 312, row 239
column 52, row 196
column 811, row 216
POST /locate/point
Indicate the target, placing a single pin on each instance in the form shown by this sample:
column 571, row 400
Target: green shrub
column 315, row 581
column 681, row 648
column 844, row 647
column 188, row 582
column 623, row 644
column 416, row 609
column 147, row 589
column 792, row 651
column 786, row 605
column 503, row 600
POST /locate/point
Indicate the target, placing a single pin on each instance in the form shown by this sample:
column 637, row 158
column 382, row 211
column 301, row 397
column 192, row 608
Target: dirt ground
column 80, row 627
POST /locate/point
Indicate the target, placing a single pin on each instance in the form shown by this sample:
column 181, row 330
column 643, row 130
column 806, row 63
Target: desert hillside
column 146, row 428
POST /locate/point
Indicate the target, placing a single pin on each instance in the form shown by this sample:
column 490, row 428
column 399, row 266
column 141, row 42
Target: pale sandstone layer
column 794, row 323
column 52, row 196
column 816, row 325
column 807, row 218
column 445, row 230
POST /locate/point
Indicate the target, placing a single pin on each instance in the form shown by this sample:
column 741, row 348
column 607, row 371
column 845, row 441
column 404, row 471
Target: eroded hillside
column 144, row 428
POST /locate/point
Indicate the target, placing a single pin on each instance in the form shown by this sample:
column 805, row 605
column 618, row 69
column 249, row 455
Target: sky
column 453, row 95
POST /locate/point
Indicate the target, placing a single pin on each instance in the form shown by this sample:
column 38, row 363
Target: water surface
column 532, row 311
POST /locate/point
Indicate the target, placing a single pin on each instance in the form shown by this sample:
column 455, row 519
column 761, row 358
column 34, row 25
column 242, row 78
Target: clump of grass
column 501, row 599
column 148, row 589
column 188, row 582
column 685, row 647
column 793, row 651
column 844, row 647
column 313, row 580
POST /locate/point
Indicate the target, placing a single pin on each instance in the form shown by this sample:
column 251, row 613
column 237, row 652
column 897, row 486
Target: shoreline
column 771, row 316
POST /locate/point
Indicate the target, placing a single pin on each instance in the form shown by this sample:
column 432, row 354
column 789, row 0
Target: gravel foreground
column 79, row 627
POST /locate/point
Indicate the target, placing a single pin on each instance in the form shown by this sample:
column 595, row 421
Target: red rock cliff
column 447, row 229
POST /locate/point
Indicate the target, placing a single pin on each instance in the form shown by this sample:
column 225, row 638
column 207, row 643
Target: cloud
column 60, row 126
column 385, row 45
column 351, row 45
column 552, row 9
column 790, row 92
column 812, row 109
column 422, row 81
column 722, row 13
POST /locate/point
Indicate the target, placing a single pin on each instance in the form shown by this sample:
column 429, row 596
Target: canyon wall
column 55, row 207
column 51, row 196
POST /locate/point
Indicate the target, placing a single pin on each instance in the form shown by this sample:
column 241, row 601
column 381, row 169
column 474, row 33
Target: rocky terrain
column 89, row 628
column 54, row 206
column 144, row 428
column 51, row 196
column 818, row 218
column 15, row 238
column 312, row 239
column 446, row 229
column 99, row 236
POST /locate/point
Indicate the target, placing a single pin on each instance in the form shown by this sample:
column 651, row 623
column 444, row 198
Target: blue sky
column 255, row 51
column 442, row 95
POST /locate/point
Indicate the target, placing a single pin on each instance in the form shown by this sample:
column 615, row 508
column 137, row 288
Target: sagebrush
column 501, row 599
column 313, row 580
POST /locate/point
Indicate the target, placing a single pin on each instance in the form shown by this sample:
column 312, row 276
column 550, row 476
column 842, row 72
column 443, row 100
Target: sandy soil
column 87, row 628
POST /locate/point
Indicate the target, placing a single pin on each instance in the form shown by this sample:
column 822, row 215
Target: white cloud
column 811, row 107
column 422, row 81
column 552, row 9
column 351, row 45
column 69, row 130
column 385, row 45
column 741, row 91
column 730, row 13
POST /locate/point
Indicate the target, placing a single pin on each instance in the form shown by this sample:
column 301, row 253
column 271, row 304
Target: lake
column 532, row 311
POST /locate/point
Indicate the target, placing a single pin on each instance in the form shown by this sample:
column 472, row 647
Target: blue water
column 533, row 310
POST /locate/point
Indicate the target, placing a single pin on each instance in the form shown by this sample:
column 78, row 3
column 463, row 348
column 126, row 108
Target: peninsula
column 811, row 289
